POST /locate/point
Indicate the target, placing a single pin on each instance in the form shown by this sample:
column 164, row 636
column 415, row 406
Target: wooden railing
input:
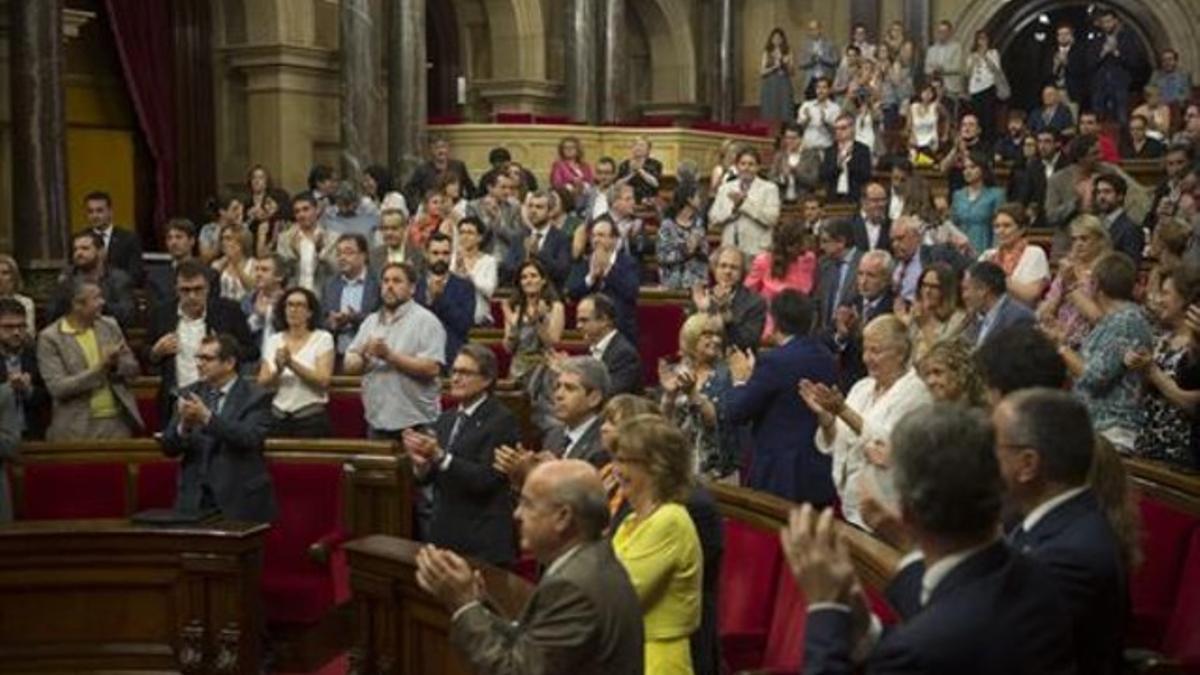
column 1165, row 483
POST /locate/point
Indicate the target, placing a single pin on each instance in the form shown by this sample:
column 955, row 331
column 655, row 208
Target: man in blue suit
column 765, row 395
column 991, row 308
column 351, row 295
column 1113, row 56
column 540, row 240
column 1044, row 444
column 611, row 271
column 450, row 297
column 969, row 603
column 839, row 268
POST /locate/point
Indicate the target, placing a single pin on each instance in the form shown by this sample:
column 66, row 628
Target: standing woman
column 226, row 210
column 694, row 390
column 657, row 542
column 472, row 264
column 297, row 364
column 641, row 171
column 791, row 262
column 925, row 126
column 267, row 209
column 986, row 80
column 1070, row 306
column 973, row 206
column 570, row 172
column 1024, row 264
column 776, row 99
column 534, row 319
column 937, row 315
column 682, row 248
column 235, row 266
column 11, row 287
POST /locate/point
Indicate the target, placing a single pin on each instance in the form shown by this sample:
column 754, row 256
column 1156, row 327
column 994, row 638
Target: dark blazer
column 413, row 255
column 744, row 318
column 426, row 176
column 641, row 189
column 125, row 253
column 1127, row 237
column 996, row 613
column 620, row 285
column 624, row 366
column 1060, row 119
column 227, row 455
column 1077, row 70
column 589, row 447
column 1151, row 149
column 1114, row 72
column 827, row 285
column 786, row 461
column 35, row 403
column 1011, row 313
column 472, row 506
column 554, row 255
column 117, row 288
column 1077, row 544
column 862, row 240
column 455, row 308
column 849, row 349
column 160, row 285
column 585, row 619
column 331, row 301
column 221, row 316
column 859, row 170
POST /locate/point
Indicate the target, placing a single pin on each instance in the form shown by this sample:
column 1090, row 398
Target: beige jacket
column 71, row 382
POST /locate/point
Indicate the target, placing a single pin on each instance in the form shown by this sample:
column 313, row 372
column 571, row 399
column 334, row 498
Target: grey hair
column 1058, row 426
column 946, row 471
column 724, row 248
column 79, row 283
column 589, row 506
column 592, row 373
column 883, row 257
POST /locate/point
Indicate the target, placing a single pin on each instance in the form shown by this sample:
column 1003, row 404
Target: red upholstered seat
column 784, row 652
column 65, row 491
column 553, row 119
column 157, row 484
column 1155, row 585
column 497, row 307
column 658, row 336
column 503, row 358
column 346, row 413
column 297, row 588
column 1182, row 640
column 514, row 118
column 147, row 405
column 746, row 593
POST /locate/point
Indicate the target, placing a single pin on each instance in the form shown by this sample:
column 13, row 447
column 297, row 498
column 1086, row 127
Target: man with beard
column 450, row 297
column 352, row 294
column 540, row 241
column 19, row 371
column 1109, row 195
column 180, row 242
column 88, row 263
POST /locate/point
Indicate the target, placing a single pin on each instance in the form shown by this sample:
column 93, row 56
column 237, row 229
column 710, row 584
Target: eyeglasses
column 463, row 372
column 207, row 357
column 931, row 285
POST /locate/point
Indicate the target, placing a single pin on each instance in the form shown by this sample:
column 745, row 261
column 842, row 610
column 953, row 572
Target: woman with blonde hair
column 693, row 394
column 1070, row 305
column 236, row 264
column 11, row 286
column 657, row 542
column 948, row 370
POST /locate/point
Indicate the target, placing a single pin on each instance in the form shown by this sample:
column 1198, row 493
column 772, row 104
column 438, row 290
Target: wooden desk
column 401, row 628
column 106, row 596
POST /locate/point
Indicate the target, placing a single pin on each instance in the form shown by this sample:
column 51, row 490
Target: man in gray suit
column 583, row 618
column 218, row 430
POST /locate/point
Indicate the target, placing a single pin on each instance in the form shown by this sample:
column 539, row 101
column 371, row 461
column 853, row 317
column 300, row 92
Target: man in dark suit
column 846, row 165
column 123, row 248
column 969, row 603
column 87, row 262
column 611, row 271
column 1114, row 56
column 218, row 429
column 989, row 306
column 1045, row 446
column 450, row 297
column 350, row 295
column 912, row 258
column 427, row 176
column 19, row 370
column 786, row 461
column 1109, row 194
column 873, row 299
column 580, row 391
column 837, row 277
column 1065, row 65
column 596, row 316
column 1019, row 357
column 583, row 617
column 742, row 311
column 871, row 224
column 393, row 229
column 180, row 242
column 472, row 503
column 541, row 241
column 1179, row 162
column 176, row 331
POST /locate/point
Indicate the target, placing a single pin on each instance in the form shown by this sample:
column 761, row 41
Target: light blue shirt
column 394, row 400
column 352, row 301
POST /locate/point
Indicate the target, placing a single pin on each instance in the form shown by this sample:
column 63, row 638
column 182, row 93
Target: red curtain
column 143, row 34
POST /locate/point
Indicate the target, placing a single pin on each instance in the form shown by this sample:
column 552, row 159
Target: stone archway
column 672, row 45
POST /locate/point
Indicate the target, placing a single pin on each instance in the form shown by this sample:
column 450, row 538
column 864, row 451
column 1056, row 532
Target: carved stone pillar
column 407, row 105
column 40, row 224
column 725, row 93
column 362, row 95
column 582, row 50
column 616, row 98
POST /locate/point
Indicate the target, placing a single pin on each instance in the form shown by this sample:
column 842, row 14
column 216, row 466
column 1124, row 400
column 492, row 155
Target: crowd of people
column 924, row 368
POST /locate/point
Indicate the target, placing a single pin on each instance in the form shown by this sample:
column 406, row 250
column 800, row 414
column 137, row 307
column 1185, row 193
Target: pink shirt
column 563, row 174
column 799, row 276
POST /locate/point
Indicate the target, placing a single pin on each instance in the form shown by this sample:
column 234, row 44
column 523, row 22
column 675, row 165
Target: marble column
column 725, row 93
column 40, row 220
column 616, row 98
column 362, row 92
column 407, row 104
column 582, row 50
column 916, row 21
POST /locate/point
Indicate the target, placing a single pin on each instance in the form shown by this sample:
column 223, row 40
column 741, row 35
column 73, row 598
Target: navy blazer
column 620, row 285
column 554, row 256
column 1060, row 120
column 590, row 447
column 849, row 349
column 473, row 507
column 1114, row 72
column 1012, row 312
column 996, row 613
column 1127, row 237
column 35, row 403
column 331, row 301
column 624, row 366
column 455, row 308
column 786, row 461
column 859, row 172
column 827, row 285
column 862, row 241
column 227, row 455
column 1077, row 544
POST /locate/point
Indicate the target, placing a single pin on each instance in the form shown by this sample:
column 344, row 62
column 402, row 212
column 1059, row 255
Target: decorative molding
column 73, row 20
column 296, row 57
column 520, row 95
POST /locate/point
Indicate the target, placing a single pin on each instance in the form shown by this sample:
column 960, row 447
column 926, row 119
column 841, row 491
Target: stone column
column 407, row 105
column 916, row 21
column 616, row 98
column 582, row 49
column 362, row 94
column 725, row 93
column 39, row 129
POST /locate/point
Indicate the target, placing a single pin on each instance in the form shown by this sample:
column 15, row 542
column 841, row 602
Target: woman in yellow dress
column 657, row 542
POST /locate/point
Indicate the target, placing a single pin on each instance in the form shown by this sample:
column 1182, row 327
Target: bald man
column 583, row 618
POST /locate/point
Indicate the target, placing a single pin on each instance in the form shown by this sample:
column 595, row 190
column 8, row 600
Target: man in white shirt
column 307, row 245
column 817, row 117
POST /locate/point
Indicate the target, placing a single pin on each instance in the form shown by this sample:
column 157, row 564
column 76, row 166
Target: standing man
column 846, row 166
column 472, row 503
column 19, row 370
column 393, row 229
column 122, row 248
column 180, row 242
column 499, row 214
column 583, row 618
column 307, row 246
column 1109, row 193
column 742, row 311
column 218, row 431
column 87, row 365
column 989, row 307
column 270, row 275
column 352, row 294
column 87, row 263
column 399, row 351
column 874, row 299
column 1065, row 67
column 818, row 59
column 747, row 209
column 838, row 271
column 430, row 174
column 540, row 241
column 1113, row 57
column 450, row 297
column 580, row 391
column 596, row 318
column 945, row 59
column 611, row 271
column 817, row 116
column 871, row 225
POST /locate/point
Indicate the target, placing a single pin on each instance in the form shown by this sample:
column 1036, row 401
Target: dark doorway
column 1024, row 34
column 442, row 50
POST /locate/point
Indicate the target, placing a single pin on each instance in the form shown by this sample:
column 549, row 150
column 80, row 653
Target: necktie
column 537, row 241
column 212, row 400
column 454, row 430
column 1018, row 538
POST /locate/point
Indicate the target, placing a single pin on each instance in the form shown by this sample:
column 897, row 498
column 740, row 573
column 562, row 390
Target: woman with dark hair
column 267, row 208
column 570, row 172
column 1024, row 264
column 973, row 206
column 534, row 319
column 225, row 210
column 791, row 262
column 379, row 191
column 297, row 364
column 986, row 83
column 776, row 98
column 937, row 315
column 682, row 248
column 473, row 264
column 925, row 125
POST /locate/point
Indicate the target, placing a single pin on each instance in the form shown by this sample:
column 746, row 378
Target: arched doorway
column 442, row 52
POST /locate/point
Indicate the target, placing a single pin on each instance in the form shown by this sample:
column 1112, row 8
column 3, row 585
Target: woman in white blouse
column 986, row 74
column 855, row 429
column 471, row 263
column 1024, row 264
column 297, row 363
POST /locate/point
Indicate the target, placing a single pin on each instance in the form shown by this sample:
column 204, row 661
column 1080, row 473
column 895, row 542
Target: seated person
column 1053, row 115
column 1136, row 143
